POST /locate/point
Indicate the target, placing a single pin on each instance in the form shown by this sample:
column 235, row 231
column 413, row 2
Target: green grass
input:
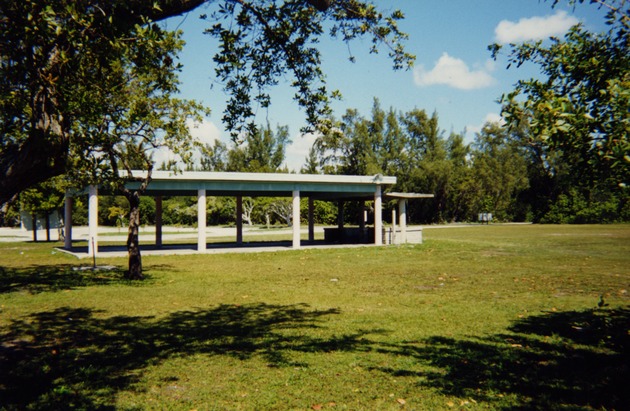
column 488, row 317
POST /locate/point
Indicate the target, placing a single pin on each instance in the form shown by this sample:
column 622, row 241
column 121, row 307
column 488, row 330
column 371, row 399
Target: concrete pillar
column 158, row 221
column 393, row 237
column 340, row 216
column 311, row 219
column 296, row 219
column 402, row 220
column 67, row 222
column 201, row 220
column 93, row 220
column 378, row 216
column 239, row 220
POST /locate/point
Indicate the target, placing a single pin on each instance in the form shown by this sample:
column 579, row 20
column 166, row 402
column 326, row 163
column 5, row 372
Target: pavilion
column 203, row 184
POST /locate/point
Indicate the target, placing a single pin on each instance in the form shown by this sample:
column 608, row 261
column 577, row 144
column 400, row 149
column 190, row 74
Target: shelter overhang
column 408, row 196
column 329, row 187
column 239, row 185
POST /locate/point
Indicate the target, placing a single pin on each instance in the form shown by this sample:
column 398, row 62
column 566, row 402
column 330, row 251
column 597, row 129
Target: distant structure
column 202, row 184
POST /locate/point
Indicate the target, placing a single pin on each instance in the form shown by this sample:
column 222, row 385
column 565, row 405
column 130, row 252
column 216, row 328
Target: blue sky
column 454, row 74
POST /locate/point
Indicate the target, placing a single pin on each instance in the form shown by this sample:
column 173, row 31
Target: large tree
column 576, row 113
column 54, row 57
column 263, row 151
column 499, row 167
column 135, row 111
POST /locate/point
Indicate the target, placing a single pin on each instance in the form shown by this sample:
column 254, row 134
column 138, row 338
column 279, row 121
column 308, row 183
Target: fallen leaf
column 401, row 401
column 450, row 404
column 317, row 407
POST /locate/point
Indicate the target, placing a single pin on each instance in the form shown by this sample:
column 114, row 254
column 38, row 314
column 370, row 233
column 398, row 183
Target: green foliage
column 44, row 198
column 179, row 211
column 117, row 214
column 142, row 115
column 260, row 151
column 465, row 180
column 220, row 210
column 312, row 163
column 113, row 211
column 80, row 78
column 80, row 210
column 9, row 216
column 576, row 117
column 501, row 170
column 62, row 63
column 324, row 212
column 278, row 39
column 574, row 208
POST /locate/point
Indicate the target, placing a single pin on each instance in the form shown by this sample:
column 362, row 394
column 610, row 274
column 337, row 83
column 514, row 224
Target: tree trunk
column 41, row 156
column 133, row 246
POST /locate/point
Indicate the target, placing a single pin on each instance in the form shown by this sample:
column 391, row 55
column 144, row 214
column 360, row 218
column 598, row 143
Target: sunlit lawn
column 487, row 317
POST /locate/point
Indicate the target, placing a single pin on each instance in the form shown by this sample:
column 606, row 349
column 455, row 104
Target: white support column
column 296, row 219
column 67, row 221
column 393, row 238
column 311, row 219
column 239, row 220
column 93, row 221
column 402, row 219
column 158, row 221
column 378, row 216
column 201, row 220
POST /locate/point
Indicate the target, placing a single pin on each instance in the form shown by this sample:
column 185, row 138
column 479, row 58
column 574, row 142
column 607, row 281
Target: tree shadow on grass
column 72, row 358
column 576, row 360
column 37, row 279
column 79, row 359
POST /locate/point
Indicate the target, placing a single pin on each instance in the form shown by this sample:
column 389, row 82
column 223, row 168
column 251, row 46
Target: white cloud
column 472, row 130
column 454, row 72
column 205, row 132
column 534, row 28
column 297, row 151
column 493, row 118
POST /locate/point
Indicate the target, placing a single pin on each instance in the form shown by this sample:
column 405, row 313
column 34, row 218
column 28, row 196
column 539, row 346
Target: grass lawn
column 487, row 317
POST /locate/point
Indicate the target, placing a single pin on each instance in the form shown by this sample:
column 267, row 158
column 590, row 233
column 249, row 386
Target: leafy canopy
column 579, row 110
column 59, row 60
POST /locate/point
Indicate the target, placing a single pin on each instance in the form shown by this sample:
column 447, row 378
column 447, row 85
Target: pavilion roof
column 320, row 186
